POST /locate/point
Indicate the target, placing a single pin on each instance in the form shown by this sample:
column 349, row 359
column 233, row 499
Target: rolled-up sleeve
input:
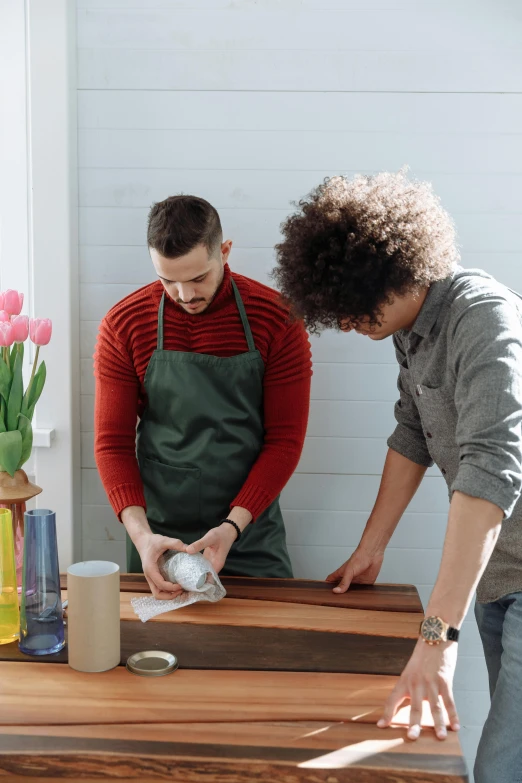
column 485, row 346
column 408, row 438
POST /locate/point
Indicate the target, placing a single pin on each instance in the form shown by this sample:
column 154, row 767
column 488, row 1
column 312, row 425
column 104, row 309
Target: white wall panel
column 322, row 492
column 391, row 113
column 187, row 30
column 258, row 189
column 448, row 152
column 337, row 71
column 297, row 5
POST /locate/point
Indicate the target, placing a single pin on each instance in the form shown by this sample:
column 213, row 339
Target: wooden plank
column 162, row 751
column 379, row 597
column 253, row 649
column 44, row 694
column 272, row 614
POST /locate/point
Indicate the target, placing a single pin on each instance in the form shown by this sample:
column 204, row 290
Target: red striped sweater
column 126, row 341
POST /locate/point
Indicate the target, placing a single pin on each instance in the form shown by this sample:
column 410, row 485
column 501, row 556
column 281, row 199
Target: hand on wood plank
column 361, row 568
column 428, row 677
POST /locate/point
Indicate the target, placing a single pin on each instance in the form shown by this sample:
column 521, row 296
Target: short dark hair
column 180, row 223
column 355, row 244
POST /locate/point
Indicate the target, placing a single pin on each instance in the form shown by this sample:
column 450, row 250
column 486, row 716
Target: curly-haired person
column 377, row 254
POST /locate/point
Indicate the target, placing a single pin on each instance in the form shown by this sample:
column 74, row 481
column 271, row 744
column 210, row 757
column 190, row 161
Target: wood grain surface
column 281, row 681
column 379, row 597
column 274, row 614
column 293, row 751
column 49, row 694
column 263, row 649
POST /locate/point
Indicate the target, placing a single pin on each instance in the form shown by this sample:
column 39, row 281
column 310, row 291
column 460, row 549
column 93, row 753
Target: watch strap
column 452, row 634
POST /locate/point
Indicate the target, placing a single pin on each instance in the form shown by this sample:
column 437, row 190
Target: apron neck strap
column 244, row 319
column 160, row 322
column 240, row 307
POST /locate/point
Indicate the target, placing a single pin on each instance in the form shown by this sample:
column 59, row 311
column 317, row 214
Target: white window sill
column 43, row 439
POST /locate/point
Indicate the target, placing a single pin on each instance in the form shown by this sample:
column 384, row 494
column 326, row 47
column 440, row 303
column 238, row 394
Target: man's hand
column 428, row 676
column 215, row 545
column 150, row 548
column 362, row 568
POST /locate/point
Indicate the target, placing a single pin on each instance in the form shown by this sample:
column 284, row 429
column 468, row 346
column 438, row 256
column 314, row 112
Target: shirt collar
column 429, row 312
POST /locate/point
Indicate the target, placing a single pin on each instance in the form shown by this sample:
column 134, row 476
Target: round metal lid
column 152, row 663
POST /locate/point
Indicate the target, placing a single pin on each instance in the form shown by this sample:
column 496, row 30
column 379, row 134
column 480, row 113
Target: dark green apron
column 200, row 434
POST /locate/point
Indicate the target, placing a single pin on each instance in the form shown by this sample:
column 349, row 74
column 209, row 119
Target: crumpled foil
column 193, row 573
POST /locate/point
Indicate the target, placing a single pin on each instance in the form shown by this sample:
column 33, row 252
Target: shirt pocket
column 439, row 422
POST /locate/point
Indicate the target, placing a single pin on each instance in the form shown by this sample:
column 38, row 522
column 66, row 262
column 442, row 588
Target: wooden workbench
column 281, row 681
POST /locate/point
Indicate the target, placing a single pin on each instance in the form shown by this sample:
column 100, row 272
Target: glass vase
column 41, row 613
column 9, row 614
column 15, row 491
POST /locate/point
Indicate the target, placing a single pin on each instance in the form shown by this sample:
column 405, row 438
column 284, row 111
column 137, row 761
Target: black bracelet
column 238, row 531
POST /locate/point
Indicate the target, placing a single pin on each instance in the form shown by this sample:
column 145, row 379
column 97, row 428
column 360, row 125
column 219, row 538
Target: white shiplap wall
column 250, row 104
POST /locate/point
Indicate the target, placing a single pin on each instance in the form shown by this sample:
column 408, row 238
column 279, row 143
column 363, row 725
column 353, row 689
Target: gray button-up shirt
column 460, row 406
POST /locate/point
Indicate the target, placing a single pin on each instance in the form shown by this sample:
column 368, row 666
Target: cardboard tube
column 93, row 590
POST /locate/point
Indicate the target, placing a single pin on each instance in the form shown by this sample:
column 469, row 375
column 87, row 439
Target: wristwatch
column 434, row 630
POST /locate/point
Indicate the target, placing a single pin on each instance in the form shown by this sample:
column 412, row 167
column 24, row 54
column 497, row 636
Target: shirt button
column 429, row 435
column 443, row 471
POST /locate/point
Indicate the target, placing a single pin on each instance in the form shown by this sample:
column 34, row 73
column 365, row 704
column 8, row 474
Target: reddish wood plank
column 39, row 693
column 274, row 614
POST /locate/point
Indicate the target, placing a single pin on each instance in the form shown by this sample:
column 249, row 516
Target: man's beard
column 207, row 301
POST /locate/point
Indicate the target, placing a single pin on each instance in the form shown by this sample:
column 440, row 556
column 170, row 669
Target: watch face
column 432, row 629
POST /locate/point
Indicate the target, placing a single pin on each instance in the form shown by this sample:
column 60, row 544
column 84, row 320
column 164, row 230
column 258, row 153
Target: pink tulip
column 4, row 316
column 2, row 299
column 40, row 330
column 6, row 334
column 13, row 302
column 20, row 324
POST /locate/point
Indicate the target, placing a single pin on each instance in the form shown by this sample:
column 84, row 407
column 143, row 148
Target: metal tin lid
column 152, row 663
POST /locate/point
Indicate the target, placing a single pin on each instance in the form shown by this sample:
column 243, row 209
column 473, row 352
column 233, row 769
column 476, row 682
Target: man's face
column 192, row 280
column 400, row 314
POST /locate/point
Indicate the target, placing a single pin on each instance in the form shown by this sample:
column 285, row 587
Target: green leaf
column 33, row 391
column 15, row 395
column 10, row 450
column 36, row 390
column 3, row 409
column 17, row 348
column 5, row 380
column 26, row 430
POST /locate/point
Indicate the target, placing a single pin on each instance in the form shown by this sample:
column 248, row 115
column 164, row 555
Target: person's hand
column 361, row 568
column 428, row 676
column 215, row 545
column 150, row 548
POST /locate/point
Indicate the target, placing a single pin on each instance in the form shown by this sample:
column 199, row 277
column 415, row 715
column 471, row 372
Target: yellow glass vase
column 9, row 611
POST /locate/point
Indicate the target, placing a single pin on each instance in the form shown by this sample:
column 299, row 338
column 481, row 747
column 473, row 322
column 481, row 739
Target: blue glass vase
column 41, row 613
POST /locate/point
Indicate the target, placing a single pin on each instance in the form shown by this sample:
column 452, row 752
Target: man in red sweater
column 216, row 376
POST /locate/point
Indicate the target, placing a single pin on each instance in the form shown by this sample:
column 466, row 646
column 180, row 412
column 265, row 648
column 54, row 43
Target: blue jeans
column 499, row 755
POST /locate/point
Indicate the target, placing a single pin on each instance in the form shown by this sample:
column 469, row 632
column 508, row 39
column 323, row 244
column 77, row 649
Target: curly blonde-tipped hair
column 355, row 244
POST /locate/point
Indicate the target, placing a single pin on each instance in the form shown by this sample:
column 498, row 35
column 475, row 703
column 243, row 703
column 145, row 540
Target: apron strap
column 160, row 323
column 244, row 319
column 240, row 307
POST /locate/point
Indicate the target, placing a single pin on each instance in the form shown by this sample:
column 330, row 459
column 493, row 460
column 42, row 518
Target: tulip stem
column 33, row 370
column 7, row 359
